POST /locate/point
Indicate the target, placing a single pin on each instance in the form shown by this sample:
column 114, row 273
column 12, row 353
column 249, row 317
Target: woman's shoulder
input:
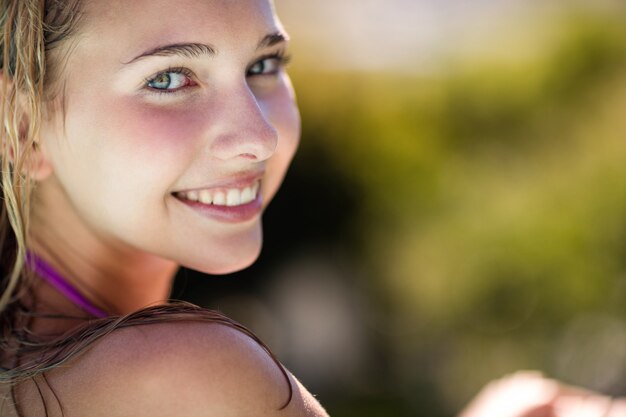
column 177, row 368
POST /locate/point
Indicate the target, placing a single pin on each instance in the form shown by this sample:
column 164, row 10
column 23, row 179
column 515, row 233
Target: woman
column 138, row 136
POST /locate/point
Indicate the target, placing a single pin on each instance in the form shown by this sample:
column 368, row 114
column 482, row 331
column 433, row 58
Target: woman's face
column 175, row 113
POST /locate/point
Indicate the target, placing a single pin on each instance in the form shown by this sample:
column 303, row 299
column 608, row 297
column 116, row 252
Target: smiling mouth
column 222, row 197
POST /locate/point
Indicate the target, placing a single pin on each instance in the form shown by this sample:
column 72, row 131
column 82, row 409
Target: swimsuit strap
column 52, row 277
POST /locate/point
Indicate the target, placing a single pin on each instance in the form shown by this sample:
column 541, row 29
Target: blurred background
column 457, row 209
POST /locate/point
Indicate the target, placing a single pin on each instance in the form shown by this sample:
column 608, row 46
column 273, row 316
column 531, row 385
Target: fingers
column 617, row 409
column 529, row 394
column 589, row 406
column 546, row 410
column 523, row 394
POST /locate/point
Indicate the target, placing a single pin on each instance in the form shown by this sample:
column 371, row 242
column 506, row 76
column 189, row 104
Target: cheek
column 115, row 149
column 154, row 133
column 283, row 114
column 144, row 148
column 288, row 126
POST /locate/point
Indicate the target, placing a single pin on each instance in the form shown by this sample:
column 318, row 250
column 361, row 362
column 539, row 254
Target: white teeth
column 233, row 198
column 227, row 197
column 246, row 195
column 192, row 195
column 206, row 197
column 219, row 199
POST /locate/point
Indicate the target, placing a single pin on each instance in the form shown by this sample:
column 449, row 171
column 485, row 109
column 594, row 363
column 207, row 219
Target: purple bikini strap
column 52, row 277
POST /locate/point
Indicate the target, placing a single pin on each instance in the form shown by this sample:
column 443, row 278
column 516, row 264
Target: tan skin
column 530, row 394
column 108, row 169
column 139, row 132
column 104, row 212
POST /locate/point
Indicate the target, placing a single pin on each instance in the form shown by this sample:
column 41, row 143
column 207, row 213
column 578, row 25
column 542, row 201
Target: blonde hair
column 81, row 338
column 30, row 31
column 33, row 37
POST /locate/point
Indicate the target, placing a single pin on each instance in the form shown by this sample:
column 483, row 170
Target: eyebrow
column 188, row 50
column 271, row 40
column 195, row 50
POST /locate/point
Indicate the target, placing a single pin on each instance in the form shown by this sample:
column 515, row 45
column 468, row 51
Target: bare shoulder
column 173, row 369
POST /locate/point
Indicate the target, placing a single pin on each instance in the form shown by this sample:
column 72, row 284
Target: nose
column 242, row 129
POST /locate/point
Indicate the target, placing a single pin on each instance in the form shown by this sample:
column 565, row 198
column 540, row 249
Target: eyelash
column 281, row 61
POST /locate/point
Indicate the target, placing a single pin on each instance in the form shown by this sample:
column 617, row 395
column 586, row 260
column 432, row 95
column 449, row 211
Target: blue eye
column 170, row 80
column 268, row 65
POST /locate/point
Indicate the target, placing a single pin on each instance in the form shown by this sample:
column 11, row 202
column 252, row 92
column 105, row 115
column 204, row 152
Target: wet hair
column 35, row 39
column 61, row 350
column 32, row 33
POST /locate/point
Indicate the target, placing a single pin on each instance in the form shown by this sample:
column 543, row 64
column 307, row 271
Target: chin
column 230, row 267
column 226, row 262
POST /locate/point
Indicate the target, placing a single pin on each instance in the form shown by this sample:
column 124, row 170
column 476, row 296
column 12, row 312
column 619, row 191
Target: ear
column 37, row 166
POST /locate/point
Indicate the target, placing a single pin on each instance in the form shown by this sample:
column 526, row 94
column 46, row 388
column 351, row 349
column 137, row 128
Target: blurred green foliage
column 491, row 212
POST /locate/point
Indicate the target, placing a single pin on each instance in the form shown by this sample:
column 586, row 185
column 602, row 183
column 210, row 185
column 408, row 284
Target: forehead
column 144, row 23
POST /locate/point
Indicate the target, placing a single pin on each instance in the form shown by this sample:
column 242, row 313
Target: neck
column 117, row 285
column 114, row 277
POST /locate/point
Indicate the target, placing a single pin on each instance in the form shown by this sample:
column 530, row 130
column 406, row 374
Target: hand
column 529, row 394
column 587, row 404
column 523, row 394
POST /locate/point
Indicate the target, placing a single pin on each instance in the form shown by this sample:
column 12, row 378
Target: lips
column 231, row 204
